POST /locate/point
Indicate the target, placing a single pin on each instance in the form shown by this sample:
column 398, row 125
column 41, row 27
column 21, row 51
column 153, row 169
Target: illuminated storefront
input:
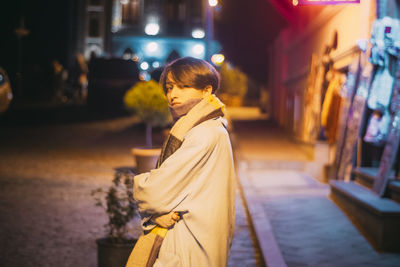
column 151, row 30
column 312, row 33
column 335, row 85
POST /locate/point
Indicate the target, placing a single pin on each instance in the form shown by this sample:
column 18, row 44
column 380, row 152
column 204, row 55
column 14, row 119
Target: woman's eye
column 186, row 86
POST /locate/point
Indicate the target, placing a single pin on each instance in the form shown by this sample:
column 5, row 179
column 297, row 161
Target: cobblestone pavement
column 47, row 215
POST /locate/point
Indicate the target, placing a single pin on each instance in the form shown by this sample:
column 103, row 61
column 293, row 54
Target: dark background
column 244, row 28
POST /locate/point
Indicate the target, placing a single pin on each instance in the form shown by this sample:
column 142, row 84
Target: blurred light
column 213, row 2
column 124, row 2
column 135, row 58
column 144, row 65
column 152, row 28
column 156, row 64
column 151, row 47
column 198, row 33
column 144, row 76
column 198, row 49
column 217, row 59
column 9, row 96
column 295, row 2
column 126, row 56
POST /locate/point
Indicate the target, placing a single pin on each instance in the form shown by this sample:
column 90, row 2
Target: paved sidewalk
column 47, row 172
column 295, row 221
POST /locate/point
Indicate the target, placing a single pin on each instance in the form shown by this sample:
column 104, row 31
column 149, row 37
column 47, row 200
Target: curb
column 258, row 218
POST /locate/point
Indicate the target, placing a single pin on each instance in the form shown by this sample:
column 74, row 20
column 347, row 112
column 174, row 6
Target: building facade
column 147, row 31
column 334, row 84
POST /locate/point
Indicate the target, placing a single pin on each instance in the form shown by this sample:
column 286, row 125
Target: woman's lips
column 175, row 103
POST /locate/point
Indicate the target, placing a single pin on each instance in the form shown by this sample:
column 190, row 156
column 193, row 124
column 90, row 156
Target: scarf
column 178, row 111
column 208, row 108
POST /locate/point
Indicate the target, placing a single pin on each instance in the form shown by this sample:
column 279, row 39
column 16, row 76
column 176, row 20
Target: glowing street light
column 156, row 64
column 198, row 33
column 217, row 59
column 144, row 65
column 152, row 47
column 213, row 2
column 198, row 49
column 152, row 28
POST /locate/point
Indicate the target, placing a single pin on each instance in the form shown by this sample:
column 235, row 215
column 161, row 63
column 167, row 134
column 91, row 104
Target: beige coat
column 199, row 178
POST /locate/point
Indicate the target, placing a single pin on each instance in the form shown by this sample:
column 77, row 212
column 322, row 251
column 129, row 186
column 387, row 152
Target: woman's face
column 178, row 95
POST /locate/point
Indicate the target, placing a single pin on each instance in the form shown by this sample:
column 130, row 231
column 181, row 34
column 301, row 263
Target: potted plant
column 113, row 250
column 149, row 103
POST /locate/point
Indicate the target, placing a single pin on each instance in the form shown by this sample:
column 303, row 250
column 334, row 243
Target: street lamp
column 209, row 27
column 152, row 28
column 213, row 3
column 21, row 32
column 198, row 33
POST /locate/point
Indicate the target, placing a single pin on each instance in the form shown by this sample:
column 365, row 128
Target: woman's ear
column 207, row 90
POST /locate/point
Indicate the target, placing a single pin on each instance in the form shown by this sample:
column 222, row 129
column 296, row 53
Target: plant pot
column 112, row 254
column 146, row 158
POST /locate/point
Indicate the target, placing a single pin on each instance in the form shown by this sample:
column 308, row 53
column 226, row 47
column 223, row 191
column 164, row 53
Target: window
column 94, row 25
column 131, row 12
column 176, row 10
column 95, row 2
column 176, row 16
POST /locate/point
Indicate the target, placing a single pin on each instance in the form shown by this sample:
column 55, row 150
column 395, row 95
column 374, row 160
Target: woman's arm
column 162, row 190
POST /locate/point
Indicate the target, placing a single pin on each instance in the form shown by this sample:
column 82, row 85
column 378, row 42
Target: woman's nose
column 173, row 93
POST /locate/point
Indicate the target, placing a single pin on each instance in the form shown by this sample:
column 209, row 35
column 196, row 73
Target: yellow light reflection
column 217, row 59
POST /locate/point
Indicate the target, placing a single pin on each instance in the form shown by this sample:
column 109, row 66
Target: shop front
column 335, row 86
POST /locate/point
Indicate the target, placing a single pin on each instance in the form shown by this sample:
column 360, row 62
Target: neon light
column 325, row 2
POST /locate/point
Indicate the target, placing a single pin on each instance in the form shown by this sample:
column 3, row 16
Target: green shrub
column 148, row 101
column 118, row 203
column 233, row 81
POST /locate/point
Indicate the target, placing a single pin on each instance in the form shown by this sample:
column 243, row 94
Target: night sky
column 48, row 25
column 245, row 30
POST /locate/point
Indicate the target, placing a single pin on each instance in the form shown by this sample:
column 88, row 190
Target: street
column 47, row 171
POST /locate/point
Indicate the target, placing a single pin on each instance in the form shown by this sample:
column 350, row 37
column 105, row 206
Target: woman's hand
column 167, row 220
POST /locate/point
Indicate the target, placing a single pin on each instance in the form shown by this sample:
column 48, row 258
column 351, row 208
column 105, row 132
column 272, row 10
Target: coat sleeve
column 162, row 190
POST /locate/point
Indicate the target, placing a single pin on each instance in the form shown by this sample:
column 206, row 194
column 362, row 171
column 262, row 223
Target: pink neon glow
column 327, row 2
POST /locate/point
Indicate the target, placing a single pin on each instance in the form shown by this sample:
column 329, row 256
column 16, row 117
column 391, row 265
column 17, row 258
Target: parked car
column 5, row 91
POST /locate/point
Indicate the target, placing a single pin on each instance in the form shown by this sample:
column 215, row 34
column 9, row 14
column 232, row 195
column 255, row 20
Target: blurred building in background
column 334, row 81
column 311, row 32
column 146, row 31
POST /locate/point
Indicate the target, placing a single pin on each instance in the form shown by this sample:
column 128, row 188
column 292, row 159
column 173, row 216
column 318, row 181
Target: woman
column 191, row 192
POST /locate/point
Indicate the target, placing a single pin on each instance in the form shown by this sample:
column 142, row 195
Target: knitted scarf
column 208, row 108
column 178, row 111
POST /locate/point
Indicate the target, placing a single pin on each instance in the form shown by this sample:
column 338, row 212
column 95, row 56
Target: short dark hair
column 192, row 72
